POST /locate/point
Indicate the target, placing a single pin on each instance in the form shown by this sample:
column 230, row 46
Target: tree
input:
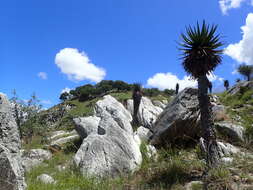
column 137, row 95
column 64, row 96
column 177, row 88
column 245, row 70
column 200, row 55
column 226, row 84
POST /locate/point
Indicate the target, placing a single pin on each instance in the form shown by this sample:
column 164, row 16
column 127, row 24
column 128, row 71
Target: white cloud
column 42, row 75
column 65, row 90
column 77, row 66
column 225, row 5
column 243, row 50
column 169, row 81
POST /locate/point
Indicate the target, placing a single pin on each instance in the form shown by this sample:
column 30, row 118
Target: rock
column 11, row 171
column 152, row 152
column 226, row 149
column 243, row 84
column 86, row 125
column 179, row 119
column 219, row 113
column 143, row 133
column 227, row 160
column 147, row 113
column 114, row 151
column 235, row 133
column 34, row 157
column 159, row 104
column 61, row 142
column 46, row 179
column 194, row 185
column 116, row 111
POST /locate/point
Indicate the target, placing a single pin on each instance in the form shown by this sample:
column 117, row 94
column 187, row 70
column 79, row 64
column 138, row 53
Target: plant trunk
column 136, row 101
column 207, row 125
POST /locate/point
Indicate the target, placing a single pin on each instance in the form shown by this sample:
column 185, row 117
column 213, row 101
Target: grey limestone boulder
column 180, row 119
column 236, row 88
column 34, row 157
column 11, row 171
column 46, row 179
column 86, row 125
column 110, row 150
column 147, row 113
column 233, row 132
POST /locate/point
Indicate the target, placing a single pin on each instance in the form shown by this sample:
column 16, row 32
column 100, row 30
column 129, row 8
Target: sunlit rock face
column 11, row 171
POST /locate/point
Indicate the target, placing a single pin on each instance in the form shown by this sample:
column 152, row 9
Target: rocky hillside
column 93, row 145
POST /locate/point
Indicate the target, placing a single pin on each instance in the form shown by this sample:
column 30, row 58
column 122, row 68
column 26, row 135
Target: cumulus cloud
column 42, row 75
column 169, row 80
column 243, row 50
column 225, row 5
column 77, row 66
column 65, row 90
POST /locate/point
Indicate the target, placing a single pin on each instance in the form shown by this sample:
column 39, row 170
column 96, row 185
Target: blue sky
column 47, row 46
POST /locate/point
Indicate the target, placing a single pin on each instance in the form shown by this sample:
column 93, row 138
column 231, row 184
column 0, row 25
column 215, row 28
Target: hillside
column 178, row 165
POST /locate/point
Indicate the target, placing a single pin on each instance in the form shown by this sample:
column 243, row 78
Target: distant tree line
column 88, row 91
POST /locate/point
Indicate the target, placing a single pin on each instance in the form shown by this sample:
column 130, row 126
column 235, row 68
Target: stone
column 243, row 84
column 179, row 119
column 227, row 160
column 86, row 125
column 143, row 133
column 46, row 179
column 11, row 171
column 235, row 133
column 113, row 150
column 152, row 152
column 34, row 157
column 159, row 104
column 219, row 113
column 61, row 142
column 226, row 149
column 147, row 113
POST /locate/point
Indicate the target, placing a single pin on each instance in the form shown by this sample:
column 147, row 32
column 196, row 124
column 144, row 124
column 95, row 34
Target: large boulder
column 11, row 171
column 34, row 157
column 233, row 132
column 86, row 125
column 180, row 119
column 110, row 150
column 237, row 88
column 147, row 113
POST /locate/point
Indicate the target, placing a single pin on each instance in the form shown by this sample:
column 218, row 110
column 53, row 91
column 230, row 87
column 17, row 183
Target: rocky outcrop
column 61, row 138
column 237, row 88
column 234, row 133
column 11, row 171
column 86, row 125
column 143, row 133
column 147, row 113
column 110, row 150
column 180, row 119
column 34, row 157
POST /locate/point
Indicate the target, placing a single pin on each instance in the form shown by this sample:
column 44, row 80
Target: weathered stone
column 235, row 133
column 86, row 125
column 219, row 113
column 143, row 133
column 192, row 185
column 243, row 84
column 159, row 104
column 11, row 171
column 112, row 151
column 45, row 178
column 34, row 157
column 180, row 119
column 226, row 149
column 147, row 113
